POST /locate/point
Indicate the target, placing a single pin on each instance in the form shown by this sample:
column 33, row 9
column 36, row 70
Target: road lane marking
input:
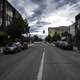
column 40, row 73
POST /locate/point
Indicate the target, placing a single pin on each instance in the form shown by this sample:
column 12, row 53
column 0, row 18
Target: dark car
column 19, row 46
column 24, row 45
column 12, row 47
column 68, row 45
column 64, row 45
column 59, row 43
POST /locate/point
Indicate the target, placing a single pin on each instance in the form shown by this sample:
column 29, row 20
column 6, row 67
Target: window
column 0, row 21
column 78, row 24
column 1, row 5
column 1, row 8
column 9, row 15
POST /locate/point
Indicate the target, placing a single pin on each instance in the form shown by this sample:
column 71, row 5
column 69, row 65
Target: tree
column 56, row 37
column 3, row 38
column 68, row 36
column 18, row 27
column 48, row 39
column 35, row 38
column 27, row 28
column 65, row 34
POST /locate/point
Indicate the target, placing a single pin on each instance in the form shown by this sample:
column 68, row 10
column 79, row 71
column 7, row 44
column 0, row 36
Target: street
column 42, row 61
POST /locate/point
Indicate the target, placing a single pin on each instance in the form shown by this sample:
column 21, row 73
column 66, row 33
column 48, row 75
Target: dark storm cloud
column 19, row 6
column 32, row 18
column 33, row 30
column 61, row 3
column 41, row 7
column 37, row 1
column 43, row 23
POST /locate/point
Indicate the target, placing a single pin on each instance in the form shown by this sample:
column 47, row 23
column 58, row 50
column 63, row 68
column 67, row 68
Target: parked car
column 12, row 47
column 19, row 46
column 64, row 45
column 68, row 45
column 24, row 45
column 58, row 43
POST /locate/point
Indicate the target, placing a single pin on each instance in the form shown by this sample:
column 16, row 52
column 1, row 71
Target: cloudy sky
column 42, row 14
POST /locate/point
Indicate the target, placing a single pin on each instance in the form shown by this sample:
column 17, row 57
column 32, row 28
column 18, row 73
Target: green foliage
column 36, row 38
column 18, row 27
column 27, row 28
column 56, row 37
column 2, row 34
column 3, row 38
column 68, row 37
column 48, row 39
column 65, row 34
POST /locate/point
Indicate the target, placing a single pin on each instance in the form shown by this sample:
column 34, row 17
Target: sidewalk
column 75, row 48
column 1, row 50
column 29, row 45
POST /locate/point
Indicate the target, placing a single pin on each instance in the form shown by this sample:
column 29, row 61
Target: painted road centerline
column 40, row 73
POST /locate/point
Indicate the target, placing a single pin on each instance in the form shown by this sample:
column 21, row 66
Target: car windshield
column 10, row 44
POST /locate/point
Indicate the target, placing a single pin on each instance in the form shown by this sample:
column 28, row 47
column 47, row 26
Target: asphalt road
column 42, row 61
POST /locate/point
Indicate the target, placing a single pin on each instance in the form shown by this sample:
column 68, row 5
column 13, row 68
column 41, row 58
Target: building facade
column 59, row 30
column 77, row 22
column 51, row 31
column 72, row 29
column 7, row 14
column 1, row 9
column 77, row 30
